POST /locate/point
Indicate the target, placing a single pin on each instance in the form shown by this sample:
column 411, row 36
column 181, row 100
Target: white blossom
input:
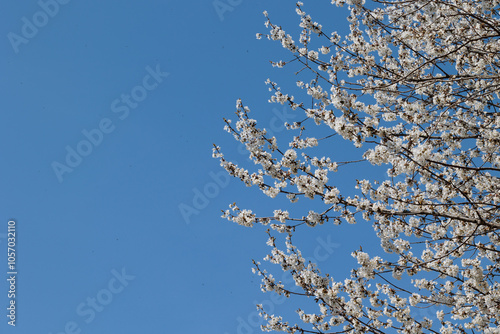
column 414, row 86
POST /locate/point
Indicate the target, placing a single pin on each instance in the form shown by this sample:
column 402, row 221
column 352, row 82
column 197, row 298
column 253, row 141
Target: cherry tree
column 415, row 87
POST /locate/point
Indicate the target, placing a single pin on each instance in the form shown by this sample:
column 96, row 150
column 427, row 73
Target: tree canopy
column 415, row 87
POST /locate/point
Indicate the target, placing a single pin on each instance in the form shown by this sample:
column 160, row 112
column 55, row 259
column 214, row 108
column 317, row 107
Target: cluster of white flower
column 416, row 86
column 243, row 217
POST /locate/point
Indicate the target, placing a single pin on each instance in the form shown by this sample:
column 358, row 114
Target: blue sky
column 108, row 119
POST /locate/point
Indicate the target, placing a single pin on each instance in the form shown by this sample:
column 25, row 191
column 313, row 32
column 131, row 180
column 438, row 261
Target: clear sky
column 109, row 112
